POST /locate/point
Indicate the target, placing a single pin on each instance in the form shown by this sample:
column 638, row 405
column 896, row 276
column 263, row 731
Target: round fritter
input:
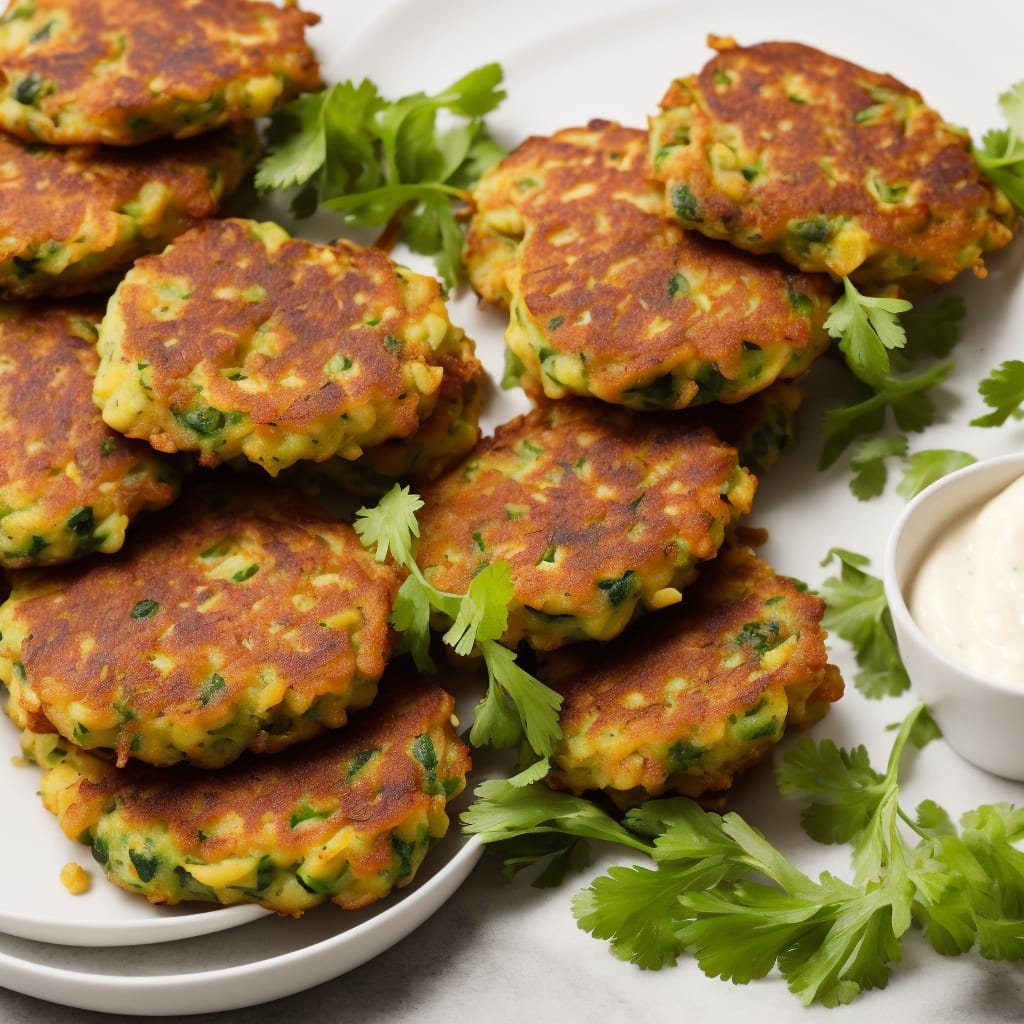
column 600, row 513
column 123, row 72
column 697, row 694
column 781, row 148
column 229, row 622
column 114, row 206
column 446, row 436
column 346, row 817
column 68, row 484
column 238, row 340
column 608, row 296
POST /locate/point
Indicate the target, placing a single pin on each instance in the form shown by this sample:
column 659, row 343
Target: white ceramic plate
column 567, row 61
column 34, row 904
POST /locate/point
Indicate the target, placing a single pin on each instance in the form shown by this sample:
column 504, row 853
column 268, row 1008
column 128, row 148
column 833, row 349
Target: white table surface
column 502, row 953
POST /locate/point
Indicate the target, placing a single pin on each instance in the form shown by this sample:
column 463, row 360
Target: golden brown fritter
column 447, row 435
column 123, row 72
column 345, row 817
column 608, row 296
column 600, row 513
column 113, row 206
column 250, row 620
column 238, row 340
column 68, row 483
column 695, row 695
column 781, row 148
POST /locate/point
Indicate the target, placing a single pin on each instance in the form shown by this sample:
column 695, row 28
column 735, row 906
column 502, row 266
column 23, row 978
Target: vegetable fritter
column 122, row 72
column 346, row 817
column 697, row 694
column 113, row 207
column 446, row 436
column 609, row 297
column 69, row 484
column 600, row 513
column 250, row 620
column 780, row 148
column 238, row 340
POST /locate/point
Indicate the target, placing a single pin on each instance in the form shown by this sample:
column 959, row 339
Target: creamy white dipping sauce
column 968, row 595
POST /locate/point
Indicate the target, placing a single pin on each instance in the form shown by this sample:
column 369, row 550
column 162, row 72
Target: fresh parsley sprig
column 925, row 467
column 516, row 706
column 1001, row 156
column 380, row 162
column 1003, row 392
column 721, row 891
column 870, row 464
column 877, row 336
column 856, row 610
column 867, row 329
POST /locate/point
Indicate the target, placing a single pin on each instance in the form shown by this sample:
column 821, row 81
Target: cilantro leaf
column 297, row 147
column 721, row 891
column 535, row 705
column 382, row 162
column 411, row 617
column 877, row 335
column 390, row 527
column 516, row 705
column 868, row 461
column 1001, row 156
column 907, row 397
column 637, row 911
column 925, row 467
column 867, row 328
column 931, row 332
column 857, row 611
column 483, row 612
column 1003, row 391
column 844, row 788
column 502, row 810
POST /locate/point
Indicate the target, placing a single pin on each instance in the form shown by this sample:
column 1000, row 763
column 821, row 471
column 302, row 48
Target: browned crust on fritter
column 94, row 183
column 192, row 50
column 260, row 793
column 49, row 421
column 313, row 295
column 587, row 518
column 800, row 135
column 461, row 385
column 620, row 266
column 85, row 646
column 692, row 640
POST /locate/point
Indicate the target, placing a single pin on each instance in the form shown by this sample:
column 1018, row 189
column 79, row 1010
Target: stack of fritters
column 249, row 626
column 80, row 77
column 689, row 266
column 608, row 297
column 246, row 621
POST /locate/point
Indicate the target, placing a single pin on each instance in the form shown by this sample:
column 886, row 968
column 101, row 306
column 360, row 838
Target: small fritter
column 608, row 296
column 238, row 340
column 695, row 695
column 780, row 148
column 253, row 620
column 113, row 206
column 600, row 513
column 345, row 818
column 68, row 484
column 446, row 436
column 122, row 72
